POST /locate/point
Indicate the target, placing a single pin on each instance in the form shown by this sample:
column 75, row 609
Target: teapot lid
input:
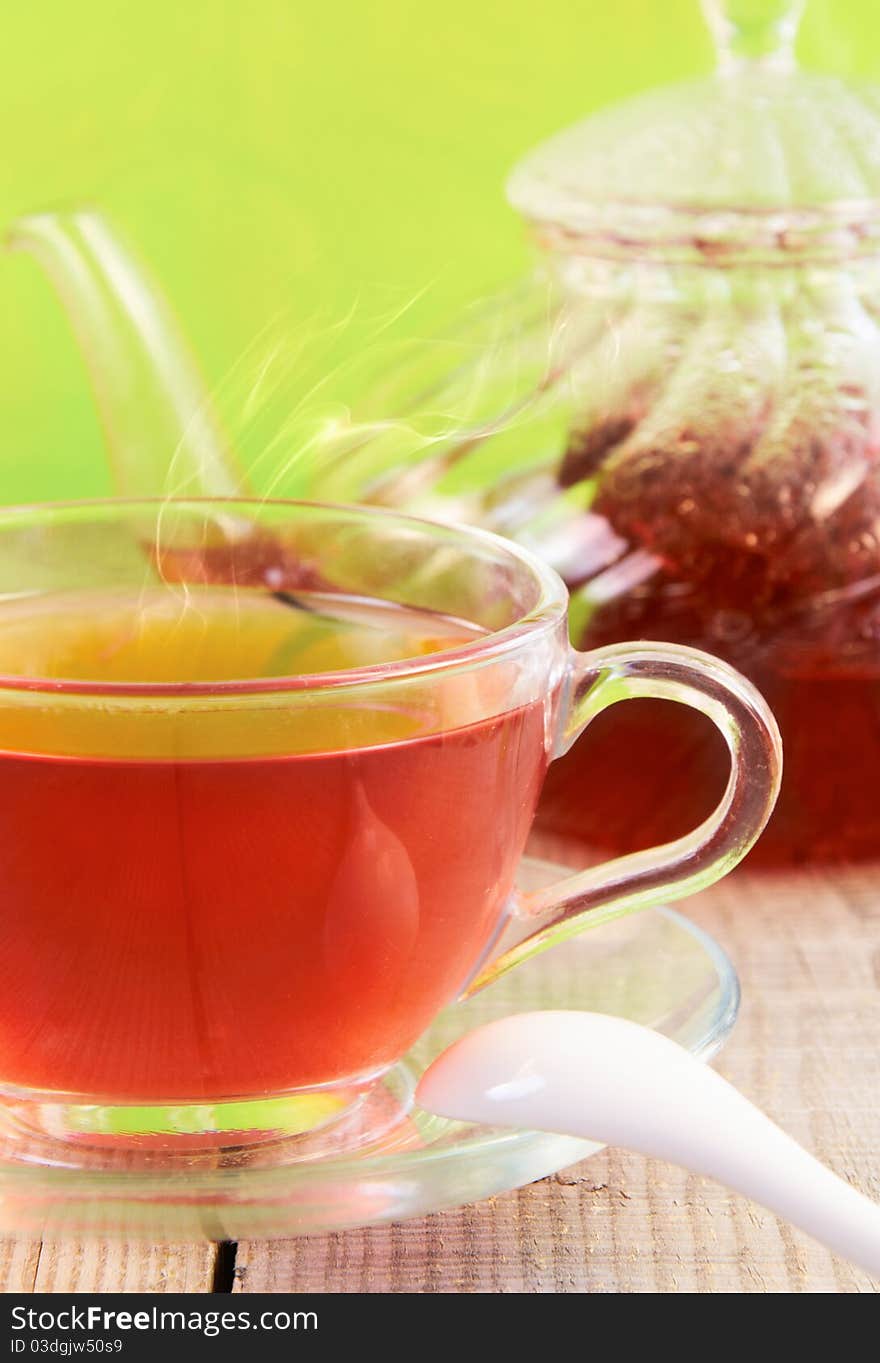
column 759, row 158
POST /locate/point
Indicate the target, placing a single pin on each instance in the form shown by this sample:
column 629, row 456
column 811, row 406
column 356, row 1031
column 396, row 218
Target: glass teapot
column 681, row 411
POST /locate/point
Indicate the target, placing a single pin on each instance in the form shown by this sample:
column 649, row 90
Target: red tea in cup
column 195, row 929
column 266, row 774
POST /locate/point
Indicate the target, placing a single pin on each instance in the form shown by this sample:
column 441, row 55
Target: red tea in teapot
column 796, row 610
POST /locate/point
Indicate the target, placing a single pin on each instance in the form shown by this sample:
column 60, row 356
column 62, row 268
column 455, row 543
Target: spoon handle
column 609, row 1080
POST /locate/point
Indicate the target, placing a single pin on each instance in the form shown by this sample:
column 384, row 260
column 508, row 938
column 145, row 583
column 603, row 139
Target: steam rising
column 354, row 411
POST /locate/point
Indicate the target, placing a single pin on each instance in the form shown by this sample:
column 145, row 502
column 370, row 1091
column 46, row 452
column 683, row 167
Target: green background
column 290, row 157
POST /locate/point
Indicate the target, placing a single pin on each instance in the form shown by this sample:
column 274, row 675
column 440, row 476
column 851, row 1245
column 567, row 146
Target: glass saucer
column 388, row 1160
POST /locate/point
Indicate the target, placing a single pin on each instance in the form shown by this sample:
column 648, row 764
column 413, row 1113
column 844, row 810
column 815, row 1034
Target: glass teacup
column 266, row 773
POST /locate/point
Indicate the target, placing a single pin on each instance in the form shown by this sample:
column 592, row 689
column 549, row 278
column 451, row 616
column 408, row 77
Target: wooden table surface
column 806, row 1048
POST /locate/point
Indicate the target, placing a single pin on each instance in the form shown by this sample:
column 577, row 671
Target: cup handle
column 642, row 880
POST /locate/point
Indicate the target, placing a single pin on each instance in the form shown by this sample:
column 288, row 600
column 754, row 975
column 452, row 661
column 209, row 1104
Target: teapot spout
column 162, row 436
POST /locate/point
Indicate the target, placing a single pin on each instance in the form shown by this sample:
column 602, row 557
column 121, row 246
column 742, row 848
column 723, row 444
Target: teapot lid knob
column 754, row 31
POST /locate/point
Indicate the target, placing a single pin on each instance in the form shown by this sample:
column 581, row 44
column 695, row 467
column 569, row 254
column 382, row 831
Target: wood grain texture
column 18, row 1265
column 105, row 1266
column 805, row 1048
column 117, row 1266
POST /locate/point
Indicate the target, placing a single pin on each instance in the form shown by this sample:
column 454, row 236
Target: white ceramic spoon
column 613, row 1081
